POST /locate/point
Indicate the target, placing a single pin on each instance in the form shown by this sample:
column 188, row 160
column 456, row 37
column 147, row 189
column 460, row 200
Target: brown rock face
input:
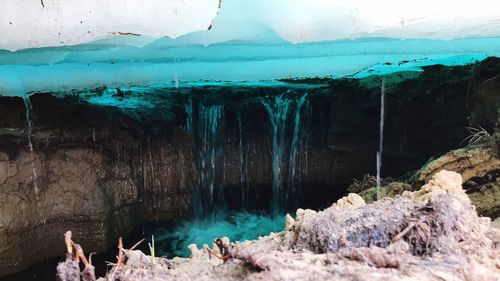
column 479, row 166
column 469, row 162
column 100, row 182
column 80, row 189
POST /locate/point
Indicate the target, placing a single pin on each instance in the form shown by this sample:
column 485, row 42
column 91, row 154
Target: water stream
column 243, row 157
column 189, row 112
column 293, row 165
column 381, row 136
column 29, row 110
column 209, row 157
column 278, row 109
column 287, row 146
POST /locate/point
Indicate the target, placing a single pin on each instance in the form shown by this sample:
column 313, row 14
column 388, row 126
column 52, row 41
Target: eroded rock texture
column 479, row 165
column 97, row 171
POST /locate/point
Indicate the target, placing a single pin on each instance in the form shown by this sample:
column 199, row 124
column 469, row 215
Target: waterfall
column 278, row 109
column 176, row 81
column 206, row 122
column 381, row 136
column 244, row 178
column 305, row 140
column 209, row 153
column 27, row 104
column 294, row 149
column 189, row 112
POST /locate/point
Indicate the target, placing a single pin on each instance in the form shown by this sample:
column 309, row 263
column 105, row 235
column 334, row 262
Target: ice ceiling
column 64, row 45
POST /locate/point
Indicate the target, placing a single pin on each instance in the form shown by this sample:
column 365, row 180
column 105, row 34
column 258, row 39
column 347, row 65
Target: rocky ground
column 430, row 234
column 478, row 163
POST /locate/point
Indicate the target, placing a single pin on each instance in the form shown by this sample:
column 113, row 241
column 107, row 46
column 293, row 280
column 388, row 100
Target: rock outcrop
column 479, row 166
column 80, row 187
column 100, row 178
column 470, row 162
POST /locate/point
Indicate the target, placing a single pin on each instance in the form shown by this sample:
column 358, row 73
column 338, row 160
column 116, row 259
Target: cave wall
column 101, row 170
column 99, row 173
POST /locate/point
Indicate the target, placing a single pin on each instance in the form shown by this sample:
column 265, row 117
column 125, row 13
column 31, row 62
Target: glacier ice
column 30, row 24
column 249, row 42
column 89, row 66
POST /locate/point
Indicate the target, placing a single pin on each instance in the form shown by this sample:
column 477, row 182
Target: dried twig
column 403, row 233
column 67, row 240
column 223, row 248
column 69, row 270
column 212, row 253
column 120, row 259
column 88, row 273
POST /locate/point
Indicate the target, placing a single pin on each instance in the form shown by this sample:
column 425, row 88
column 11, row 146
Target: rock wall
column 99, row 181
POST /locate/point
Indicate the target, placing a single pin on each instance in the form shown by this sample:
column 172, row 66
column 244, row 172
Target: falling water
column 209, row 195
column 278, row 110
column 176, row 81
column 294, row 149
column 244, row 178
column 189, row 112
column 381, row 136
column 305, row 141
column 27, row 104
